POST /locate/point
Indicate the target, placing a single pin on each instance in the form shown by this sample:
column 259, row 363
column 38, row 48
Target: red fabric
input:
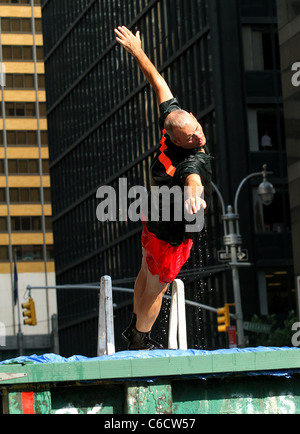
column 163, row 259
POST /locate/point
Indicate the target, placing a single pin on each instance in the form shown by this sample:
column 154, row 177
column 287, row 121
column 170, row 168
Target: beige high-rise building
column 25, row 200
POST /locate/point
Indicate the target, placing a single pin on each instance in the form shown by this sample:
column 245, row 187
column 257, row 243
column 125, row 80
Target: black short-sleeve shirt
column 170, row 156
column 171, row 166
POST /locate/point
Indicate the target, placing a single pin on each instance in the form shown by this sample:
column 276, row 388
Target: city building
column 26, row 239
column 289, row 39
column 221, row 60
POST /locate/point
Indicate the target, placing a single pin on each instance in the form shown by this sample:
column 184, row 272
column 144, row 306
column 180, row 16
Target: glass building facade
column 103, row 127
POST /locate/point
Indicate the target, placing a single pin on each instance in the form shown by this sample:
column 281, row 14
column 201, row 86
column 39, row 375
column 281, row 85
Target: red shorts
column 163, row 259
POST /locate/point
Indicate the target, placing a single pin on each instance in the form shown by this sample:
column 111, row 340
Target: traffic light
column 29, row 312
column 223, row 318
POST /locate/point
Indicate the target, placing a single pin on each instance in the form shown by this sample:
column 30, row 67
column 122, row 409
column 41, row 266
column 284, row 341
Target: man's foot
column 127, row 334
column 142, row 341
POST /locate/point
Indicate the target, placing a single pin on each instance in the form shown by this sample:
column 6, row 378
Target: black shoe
column 142, row 341
column 127, row 334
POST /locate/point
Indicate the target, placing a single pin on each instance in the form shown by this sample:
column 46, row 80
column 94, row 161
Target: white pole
column 106, row 336
column 182, row 336
column 173, row 320
column 110, row 334
column 101, row 321
column 177, row 321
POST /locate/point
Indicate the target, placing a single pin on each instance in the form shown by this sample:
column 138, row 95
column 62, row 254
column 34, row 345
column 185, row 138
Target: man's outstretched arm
column 194, row 191
column 132, row 43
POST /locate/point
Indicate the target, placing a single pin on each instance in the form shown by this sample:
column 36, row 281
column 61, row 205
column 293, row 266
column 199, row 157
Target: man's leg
column 139, row 288
column 148, row 295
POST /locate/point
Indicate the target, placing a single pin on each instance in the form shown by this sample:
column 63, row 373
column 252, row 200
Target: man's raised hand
column 132, row 43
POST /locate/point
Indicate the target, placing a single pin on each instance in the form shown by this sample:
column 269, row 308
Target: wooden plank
column 154, row 366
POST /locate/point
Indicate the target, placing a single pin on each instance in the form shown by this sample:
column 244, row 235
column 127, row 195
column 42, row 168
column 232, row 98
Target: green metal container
column 240, row 382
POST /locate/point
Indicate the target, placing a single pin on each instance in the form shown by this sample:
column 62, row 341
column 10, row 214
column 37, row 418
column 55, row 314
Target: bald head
column 176, row 119
column 184, row 130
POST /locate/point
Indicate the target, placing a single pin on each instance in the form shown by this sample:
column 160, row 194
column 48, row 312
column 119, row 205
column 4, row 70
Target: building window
column 23, row 167
column 40, row 53
column 20, row 109
column 27, row 167
column 16, row 25
column 43, row 109
column 261, row 48
column 24, row 109
column 20, row 25
column 33, row 253
column 47, row 195
column 41, row 81
column 25, row 224
column 45, row 167
column 29, row 253
column 2, row 195
column 13, row 52
column 24, row 81
column 277, row 291
column 20, row 2
column 38, row 25
column 277, row 296
column 3, row 253
column 3, row 224
column 266, row 128
column 26, row 2
column 26, row 138
column 28, row 195
column 50, row 253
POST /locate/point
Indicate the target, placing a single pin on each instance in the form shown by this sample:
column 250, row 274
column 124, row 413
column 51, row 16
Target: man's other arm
column 194, row 193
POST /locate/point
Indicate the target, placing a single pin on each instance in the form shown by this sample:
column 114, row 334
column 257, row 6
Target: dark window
column 26, row 224
column 3, row 224
column 24, row 195
column 12, row 52
column 20, row 109
column 3, row 253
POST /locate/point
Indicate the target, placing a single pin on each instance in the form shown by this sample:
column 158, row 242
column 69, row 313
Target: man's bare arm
column 194, row 191
column 132, row 43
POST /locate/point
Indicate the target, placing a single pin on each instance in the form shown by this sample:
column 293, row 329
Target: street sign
column 226, row 256
column 231, row 331
column 223, row 256
column 256, row 327
column 243, row 256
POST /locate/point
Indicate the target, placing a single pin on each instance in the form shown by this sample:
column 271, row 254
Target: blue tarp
column 54, row 358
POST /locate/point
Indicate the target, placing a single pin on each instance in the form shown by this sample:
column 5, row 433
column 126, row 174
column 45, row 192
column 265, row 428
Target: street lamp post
column 232, row 241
